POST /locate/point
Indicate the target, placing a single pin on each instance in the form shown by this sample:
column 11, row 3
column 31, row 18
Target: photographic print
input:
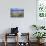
column 16, row 12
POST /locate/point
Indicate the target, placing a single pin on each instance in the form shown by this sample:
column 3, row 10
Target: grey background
column 6, row 22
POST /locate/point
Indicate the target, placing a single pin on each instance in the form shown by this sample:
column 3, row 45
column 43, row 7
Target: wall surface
column 24, row 24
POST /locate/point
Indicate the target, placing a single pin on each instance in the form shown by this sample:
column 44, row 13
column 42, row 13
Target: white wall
column 24, row 24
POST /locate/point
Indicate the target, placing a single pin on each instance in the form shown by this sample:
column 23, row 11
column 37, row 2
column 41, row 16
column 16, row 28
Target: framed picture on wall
column 16, row 12
column 41, row 12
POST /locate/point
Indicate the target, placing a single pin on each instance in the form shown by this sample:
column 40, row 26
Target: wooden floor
column 13, row 44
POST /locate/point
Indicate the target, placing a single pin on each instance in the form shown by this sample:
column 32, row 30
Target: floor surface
column 13, row 44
